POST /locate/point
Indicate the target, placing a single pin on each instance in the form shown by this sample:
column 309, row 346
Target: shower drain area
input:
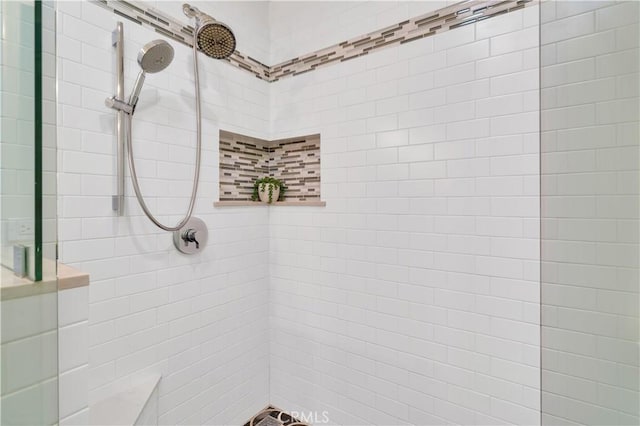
column 272, row 416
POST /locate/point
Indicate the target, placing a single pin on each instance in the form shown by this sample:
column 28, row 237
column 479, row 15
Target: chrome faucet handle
column 189, row 236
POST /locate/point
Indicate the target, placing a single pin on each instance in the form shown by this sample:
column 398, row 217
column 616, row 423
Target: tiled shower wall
column 590, row 166
column 296, row 162
column 413, row 296
column 314, row 26
column 197, row 320
column 409, row 30
column 18, row 127
column 242, row 161
column 29, row 335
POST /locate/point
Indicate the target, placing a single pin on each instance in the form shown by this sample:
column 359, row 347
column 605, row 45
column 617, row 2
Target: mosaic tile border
column 295, row 161
column 176, row 30
column 449, row 18
column 460, row 14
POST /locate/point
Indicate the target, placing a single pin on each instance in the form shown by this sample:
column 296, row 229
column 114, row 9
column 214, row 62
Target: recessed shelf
column 277, row 203
column 295, row 161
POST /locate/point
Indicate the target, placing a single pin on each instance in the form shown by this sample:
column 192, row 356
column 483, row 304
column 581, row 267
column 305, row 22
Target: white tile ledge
column 125, row 407
column 13, row 287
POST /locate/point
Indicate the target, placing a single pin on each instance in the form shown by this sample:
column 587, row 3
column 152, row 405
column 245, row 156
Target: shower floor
column 273, row 416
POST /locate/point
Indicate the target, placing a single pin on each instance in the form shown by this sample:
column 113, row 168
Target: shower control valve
column 189, row 236
column 192, row 237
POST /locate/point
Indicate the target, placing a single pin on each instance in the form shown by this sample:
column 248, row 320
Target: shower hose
column 196, row 175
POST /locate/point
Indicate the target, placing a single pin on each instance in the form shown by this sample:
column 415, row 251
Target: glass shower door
column 28, row 286
column 590, row 158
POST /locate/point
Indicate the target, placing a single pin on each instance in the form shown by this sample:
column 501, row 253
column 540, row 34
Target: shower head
column 154, row 57
column 214, row 38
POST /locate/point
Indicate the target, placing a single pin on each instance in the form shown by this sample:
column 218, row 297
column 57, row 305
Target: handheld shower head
column 154, row 57
column 213, row 38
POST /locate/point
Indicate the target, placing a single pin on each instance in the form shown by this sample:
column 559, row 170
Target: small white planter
column 264, row 195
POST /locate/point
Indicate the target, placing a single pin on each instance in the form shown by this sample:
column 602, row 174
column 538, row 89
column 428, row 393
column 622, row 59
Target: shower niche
column 244, row 159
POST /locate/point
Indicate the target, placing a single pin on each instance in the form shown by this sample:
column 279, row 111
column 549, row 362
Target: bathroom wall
column 250, row 21
column 590, row 200
column 412, row 297
column 73, row 355
column 18, row 136
column 28, row 312
column 199, row 320
column 300, row 27
column 17, row 215
column 29, row 363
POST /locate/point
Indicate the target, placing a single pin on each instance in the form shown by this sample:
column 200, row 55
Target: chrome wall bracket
column 119, row 105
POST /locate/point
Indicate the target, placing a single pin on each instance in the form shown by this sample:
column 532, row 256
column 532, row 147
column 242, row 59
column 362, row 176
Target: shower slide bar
column 117, row 201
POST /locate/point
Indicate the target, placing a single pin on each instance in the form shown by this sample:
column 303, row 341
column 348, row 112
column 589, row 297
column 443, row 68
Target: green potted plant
column 268, row 190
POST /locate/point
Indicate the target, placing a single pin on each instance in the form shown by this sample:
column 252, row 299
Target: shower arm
column 191, row 11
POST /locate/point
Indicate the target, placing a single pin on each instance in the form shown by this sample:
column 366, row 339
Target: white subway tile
column 426, row 99
column 501, row 105
column 511, row 42
column 586, row 46
column 465, row 92
column 415, row 153
column 77, row 419
column 516, row 123
column 389, row 139
column 73, row 346
column 616, row 16
column 413, row 83
column 427, row 134
column 73, row 391
column 450, row 39
column 454, row 75
column 468, row 129
column 468, row 53
column 514, row 83
column 564, row 29
column 498, row 65
column 506, row 23
column 73, row 305
column 423, row 64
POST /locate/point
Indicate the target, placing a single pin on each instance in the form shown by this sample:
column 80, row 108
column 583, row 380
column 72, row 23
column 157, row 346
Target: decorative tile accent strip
column 463, row 13
column 460, row 14
column 272, row 416
column 295, row 161
column 169, row 27
column 243, row 159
